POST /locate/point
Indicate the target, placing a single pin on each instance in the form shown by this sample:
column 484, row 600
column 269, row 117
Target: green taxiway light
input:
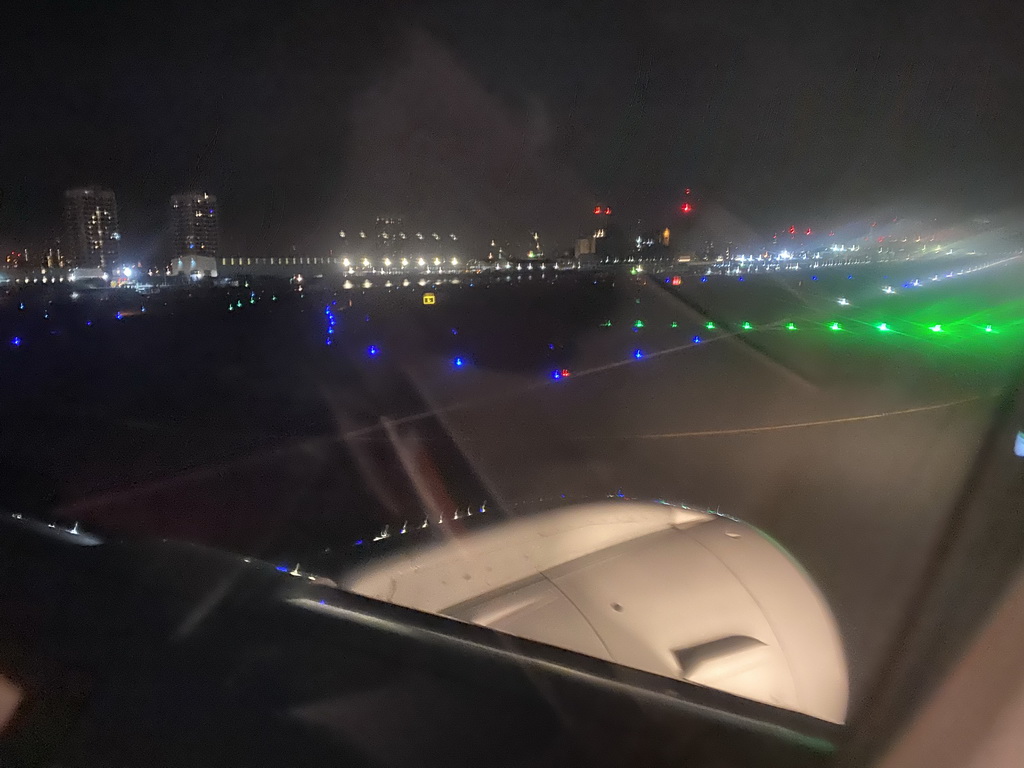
column 675, row 324
column 883, row 327
column 709, row 325
column 936, row 329
column 988, row 329
column 790, row 326
column 638, row 324
column 606, row 324
column 747, row 326
column 835, row 327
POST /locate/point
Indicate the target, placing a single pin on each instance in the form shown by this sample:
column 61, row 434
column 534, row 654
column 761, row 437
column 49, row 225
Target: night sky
column 495, row 118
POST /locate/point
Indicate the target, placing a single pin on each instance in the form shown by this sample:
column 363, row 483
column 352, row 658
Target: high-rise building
column 194, row 229
column 90, row 224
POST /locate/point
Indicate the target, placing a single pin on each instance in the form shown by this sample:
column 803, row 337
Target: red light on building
column 686, row 208
column 792, row 230
column 881, row 239
column 597, row 210
column 607, row 211
column 565, row 373
column 687, row 190
column 808, row 231
column 677, row 280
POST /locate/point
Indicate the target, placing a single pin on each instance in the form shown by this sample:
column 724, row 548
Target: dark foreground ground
column 297, row 423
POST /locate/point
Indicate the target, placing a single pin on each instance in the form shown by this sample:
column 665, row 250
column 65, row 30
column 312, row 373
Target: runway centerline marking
column 794, row 425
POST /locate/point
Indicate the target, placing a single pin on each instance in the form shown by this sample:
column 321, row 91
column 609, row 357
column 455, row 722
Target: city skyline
column 193, row 230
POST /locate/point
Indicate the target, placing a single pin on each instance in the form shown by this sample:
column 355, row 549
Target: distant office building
column 91, row 229
column 194, row 230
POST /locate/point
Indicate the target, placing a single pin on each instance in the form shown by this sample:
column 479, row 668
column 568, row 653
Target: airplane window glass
column 668, row 335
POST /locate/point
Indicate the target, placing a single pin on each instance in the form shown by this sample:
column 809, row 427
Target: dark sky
column 493, row 118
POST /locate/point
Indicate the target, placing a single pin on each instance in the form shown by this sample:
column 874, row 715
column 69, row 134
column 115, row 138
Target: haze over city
column 494, row 121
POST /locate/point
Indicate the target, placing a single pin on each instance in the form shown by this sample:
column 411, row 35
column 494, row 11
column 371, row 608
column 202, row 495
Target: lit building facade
column 194, row 226
column 91, row 229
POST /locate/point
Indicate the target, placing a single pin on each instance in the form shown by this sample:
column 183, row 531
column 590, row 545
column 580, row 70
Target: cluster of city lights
column 741, row 269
